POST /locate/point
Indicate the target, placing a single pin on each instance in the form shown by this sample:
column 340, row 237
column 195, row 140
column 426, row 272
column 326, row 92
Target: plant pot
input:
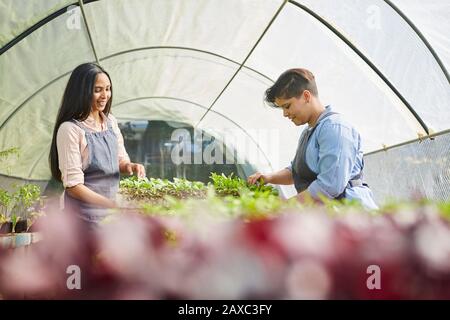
column 21, row 226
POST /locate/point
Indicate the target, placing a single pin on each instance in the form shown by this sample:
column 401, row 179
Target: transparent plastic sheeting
column 31, row 130
column 402, row 57
column 431, row 17
column 343, row 79
column 159, row 108
column 179, row 73
column 275, row 136
column 228, row 28
column 40, row 58
column 33, row 75
column 419, row 169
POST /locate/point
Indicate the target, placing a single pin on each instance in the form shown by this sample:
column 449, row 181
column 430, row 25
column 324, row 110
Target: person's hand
column 306, row 197
column 258, row 176
column 137, row 168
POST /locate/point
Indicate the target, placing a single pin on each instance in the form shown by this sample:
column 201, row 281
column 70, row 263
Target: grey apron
column 101, row 174
column 303, row 176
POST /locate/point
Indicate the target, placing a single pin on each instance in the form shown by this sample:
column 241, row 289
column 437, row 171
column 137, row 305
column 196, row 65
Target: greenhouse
column 190, row 81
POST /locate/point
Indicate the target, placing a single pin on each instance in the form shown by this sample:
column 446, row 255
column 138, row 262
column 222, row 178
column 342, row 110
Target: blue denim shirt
column 334, row 154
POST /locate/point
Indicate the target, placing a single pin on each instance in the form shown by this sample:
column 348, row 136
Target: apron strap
column 85, row 128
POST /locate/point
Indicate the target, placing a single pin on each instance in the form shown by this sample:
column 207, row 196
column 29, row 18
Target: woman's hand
column 258, row 176
column 137, row 168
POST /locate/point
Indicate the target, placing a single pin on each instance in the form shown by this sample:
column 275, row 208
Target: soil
column 21, row 226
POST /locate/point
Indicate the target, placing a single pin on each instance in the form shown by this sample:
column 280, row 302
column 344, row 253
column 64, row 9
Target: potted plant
column 5, row 201
column 17, row 215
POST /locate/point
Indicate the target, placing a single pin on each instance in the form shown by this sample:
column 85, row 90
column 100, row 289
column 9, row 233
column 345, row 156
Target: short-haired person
column 329, row 159
column 87, row 151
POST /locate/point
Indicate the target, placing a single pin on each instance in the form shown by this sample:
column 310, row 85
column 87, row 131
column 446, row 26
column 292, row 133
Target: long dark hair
column 76, row 104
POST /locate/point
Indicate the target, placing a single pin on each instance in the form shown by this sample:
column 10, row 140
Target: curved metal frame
column 24, row 179
column 366, row 60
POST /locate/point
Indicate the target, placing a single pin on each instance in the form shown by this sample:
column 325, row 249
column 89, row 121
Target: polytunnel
column 383, row 64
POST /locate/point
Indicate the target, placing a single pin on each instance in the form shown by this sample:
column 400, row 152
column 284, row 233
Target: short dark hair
column 292, row 83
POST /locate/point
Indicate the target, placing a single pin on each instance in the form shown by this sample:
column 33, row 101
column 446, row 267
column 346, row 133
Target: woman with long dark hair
column 87, row 152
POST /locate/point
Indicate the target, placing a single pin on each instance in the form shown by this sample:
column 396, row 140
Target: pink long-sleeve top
column 73, row 151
